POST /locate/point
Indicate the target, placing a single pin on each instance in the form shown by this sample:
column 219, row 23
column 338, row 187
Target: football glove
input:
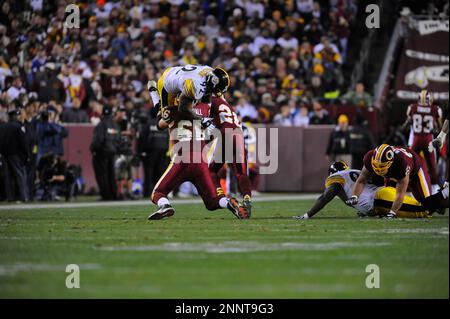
column 206, row 122
column 435, row 144
column 352, row 201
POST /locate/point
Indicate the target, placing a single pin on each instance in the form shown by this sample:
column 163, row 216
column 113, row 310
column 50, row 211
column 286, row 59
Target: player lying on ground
column 375, row 200
column 184, row 85
column 234, row 154
column 406, row 168
column 424, row 117
column 188, row 164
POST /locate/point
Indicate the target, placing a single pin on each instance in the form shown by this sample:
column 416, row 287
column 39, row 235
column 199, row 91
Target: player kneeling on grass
column 374, row 200
column 407, row 170
column 188, row 141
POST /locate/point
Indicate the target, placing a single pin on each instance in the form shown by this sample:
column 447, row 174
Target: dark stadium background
column 120, row 45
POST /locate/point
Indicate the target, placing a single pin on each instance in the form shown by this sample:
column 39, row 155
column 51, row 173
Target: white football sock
column 223, row 202
column 434, row 188
column 163, row 201
column 155, row 97
column 445, row 191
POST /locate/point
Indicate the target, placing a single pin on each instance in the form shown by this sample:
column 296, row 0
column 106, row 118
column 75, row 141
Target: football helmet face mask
column 382, row 159
column 218, row 81
column 337, row 167
column 425, row 98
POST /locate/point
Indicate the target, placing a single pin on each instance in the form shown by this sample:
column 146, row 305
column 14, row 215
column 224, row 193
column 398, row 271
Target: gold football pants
column 410, row 208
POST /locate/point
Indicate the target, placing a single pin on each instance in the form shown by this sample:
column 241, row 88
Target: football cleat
column 239, row 211
column 152, row 86
column 301, row 217
column 164, row 211
column 247, row 204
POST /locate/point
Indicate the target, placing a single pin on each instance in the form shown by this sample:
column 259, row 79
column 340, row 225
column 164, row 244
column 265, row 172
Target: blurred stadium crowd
column 284, row 57
column 280, row 54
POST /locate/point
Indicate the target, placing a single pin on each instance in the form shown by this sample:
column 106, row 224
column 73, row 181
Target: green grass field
column 201, row 254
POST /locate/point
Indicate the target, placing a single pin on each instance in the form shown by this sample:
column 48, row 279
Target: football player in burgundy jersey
column 439, row 142
column 234, row 153
column 407, row 169
column 424, row 117
column 188, row 164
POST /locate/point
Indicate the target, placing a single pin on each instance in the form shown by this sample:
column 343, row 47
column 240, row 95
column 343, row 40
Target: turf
column 201, row 254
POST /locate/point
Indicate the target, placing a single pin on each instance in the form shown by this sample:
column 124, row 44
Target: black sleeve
column 325, row 198
column 98, row 137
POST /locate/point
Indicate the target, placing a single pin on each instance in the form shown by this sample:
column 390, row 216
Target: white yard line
column 241, row 247
column 128, row 203
column 12, row 269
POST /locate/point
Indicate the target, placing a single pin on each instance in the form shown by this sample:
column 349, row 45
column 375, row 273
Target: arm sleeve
column 368, row 161
column 408, row 111
column 329, row 193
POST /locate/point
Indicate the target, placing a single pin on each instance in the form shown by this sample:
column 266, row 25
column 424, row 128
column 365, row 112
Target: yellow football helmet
column 382, row 159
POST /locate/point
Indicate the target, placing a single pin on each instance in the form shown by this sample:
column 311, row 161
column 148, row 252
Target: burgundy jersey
column 223, row 114
column 423, row 118
column 405, row 162
column 185, row 131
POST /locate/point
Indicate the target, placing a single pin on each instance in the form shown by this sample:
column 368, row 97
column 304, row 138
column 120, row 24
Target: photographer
column 56, row 177
column 50, row 133
column 104, row 148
